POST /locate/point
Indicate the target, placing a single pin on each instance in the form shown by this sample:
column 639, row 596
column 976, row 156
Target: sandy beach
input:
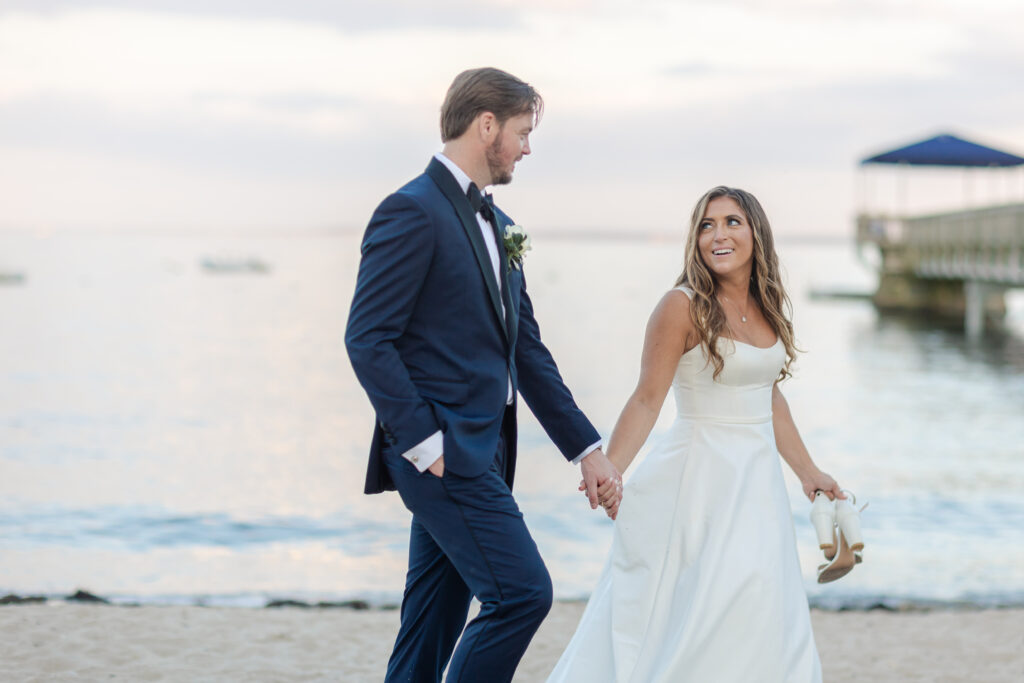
column 73, row 642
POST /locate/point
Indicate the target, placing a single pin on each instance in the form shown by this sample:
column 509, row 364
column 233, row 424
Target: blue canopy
column 946, row 150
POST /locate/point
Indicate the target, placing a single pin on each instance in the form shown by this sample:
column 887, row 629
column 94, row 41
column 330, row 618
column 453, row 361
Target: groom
column 442, row 337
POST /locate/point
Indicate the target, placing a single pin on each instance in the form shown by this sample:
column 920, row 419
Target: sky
column 260, row 115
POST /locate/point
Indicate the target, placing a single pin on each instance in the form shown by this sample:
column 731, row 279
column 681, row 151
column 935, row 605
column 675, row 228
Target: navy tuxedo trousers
column 468, row 539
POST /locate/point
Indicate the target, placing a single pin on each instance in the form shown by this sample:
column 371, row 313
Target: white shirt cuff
column 426, row 452
column 590, row 449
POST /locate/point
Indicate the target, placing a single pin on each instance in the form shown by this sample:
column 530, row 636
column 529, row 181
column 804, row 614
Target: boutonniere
column 517, row 243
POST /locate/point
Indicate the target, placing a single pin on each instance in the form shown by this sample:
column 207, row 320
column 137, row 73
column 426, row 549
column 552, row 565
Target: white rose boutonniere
column 517, row 243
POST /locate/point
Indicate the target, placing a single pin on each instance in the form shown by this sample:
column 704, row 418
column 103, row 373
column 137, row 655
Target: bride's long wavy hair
column 765, row 284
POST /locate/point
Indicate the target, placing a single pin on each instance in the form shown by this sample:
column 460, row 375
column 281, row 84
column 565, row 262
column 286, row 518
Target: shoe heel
column 823, row 519
column 842, row 562
column 848, row 520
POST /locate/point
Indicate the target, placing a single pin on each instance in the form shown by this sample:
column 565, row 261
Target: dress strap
column 686, row 290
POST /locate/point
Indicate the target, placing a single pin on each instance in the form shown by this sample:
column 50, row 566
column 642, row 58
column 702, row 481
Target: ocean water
column 173, row 433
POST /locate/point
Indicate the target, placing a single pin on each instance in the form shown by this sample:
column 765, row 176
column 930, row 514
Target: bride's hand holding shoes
column 820, row 481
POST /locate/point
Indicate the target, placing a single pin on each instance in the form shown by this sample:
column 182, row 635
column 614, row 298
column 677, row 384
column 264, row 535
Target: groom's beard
column 499, row 175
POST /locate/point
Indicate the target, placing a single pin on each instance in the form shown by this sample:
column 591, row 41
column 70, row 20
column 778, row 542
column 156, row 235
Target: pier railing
column 986, row 245
column 981, row 248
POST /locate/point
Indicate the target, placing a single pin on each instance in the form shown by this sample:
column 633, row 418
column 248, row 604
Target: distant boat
column 12, row 278
column 235, row 265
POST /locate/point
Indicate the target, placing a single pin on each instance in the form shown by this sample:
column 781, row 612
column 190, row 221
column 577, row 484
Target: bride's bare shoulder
column 671, row 317
column 676, row 302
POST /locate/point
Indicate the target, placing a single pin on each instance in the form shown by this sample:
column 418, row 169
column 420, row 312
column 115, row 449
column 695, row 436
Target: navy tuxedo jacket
column 428, row 342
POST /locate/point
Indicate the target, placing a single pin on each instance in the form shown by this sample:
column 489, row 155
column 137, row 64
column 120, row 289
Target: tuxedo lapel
column 511, row 319
column 450, row 188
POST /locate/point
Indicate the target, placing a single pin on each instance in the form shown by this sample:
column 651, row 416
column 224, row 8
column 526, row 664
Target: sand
column 71, row 642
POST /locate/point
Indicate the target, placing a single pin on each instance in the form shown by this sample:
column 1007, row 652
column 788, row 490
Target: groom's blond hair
column 476, row 91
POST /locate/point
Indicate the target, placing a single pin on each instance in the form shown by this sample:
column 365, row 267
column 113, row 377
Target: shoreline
column 79, row 641
column 255, row 601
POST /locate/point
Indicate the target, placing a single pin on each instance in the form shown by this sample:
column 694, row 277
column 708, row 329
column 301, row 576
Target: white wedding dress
column 703, row 581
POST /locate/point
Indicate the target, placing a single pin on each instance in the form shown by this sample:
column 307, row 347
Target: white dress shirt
column 426, row 453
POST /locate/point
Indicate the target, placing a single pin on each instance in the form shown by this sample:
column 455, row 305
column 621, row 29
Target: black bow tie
column 481, row 203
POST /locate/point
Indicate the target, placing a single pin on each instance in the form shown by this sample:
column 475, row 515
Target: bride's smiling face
column 725, row 238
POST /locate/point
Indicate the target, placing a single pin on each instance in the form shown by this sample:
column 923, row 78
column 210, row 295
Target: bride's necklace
column 743, row 313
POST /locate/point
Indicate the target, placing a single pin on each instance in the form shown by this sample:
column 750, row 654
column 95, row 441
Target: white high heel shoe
column 842, row 561
column 839, row 536
column 848, row 520
column 824, row 521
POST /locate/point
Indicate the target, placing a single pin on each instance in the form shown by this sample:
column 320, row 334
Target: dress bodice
column 743, row 390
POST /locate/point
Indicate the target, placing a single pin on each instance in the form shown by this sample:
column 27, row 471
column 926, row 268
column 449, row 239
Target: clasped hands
column 602, row 482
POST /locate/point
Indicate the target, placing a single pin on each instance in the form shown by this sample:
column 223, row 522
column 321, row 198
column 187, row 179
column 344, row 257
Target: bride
column 703, row 582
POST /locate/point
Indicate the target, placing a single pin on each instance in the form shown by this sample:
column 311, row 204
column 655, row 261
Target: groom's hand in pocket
column 437, row 468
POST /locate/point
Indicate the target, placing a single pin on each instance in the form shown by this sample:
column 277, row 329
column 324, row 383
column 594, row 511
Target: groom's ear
column 487, row 127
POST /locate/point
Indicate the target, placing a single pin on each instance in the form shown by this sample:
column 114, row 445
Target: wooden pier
column 948, row 264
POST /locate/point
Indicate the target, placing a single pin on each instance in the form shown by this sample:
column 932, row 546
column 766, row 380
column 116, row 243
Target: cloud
column 651, row 101
column 150, row 60
column 51, row 189
column 351, row 16
column 688, row 69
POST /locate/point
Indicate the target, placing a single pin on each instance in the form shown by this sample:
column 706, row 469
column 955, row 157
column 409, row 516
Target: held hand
column 610, row 495
column 437, row 468
column 601, row 482
column 819, row 481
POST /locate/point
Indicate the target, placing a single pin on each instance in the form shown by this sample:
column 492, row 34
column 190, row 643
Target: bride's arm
column 670, row 333
column 792, row 449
